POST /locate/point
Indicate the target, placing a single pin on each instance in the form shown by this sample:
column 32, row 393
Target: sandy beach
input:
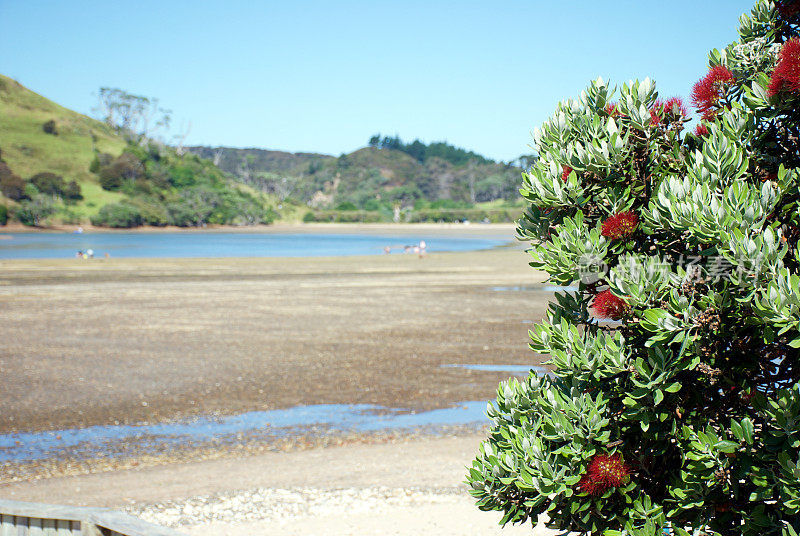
column 115, row 341
column 401, row 488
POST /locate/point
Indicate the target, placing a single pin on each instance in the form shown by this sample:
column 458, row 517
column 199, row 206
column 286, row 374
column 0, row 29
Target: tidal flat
column 110, row 342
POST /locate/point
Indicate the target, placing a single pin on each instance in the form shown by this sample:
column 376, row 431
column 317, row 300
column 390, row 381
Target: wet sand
column 113, row 341
column 401, row 487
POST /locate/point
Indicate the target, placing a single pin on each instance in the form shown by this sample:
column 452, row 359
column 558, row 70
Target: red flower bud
column 710, row 89
column 676, row 103
column 620, row 225
column 607, row 305
column 604, row 472
column 673, row 106
column 786, row 76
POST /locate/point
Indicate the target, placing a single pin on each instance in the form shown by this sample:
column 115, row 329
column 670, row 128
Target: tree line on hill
column 163, row 188
column 422, row 152
column 152, row 182
column 37, row 197
column 437, row 181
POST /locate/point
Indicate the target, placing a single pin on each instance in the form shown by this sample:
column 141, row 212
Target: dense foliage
column 375, row 178
column 11, row 185
column 55, row 185
column 422, row 151
column 674, row 400
column 49, row 127
column 164, row 188
column 61, row 166
column 35, row 210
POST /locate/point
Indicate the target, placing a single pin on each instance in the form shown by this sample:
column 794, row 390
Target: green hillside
column 28, row 150
column 434, row 182
column 57, row 165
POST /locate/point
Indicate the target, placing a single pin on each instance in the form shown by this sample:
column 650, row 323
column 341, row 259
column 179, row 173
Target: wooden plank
column 7, row 526
column 35, row 519
column 90, row 529
column 35, row 527
column 46, row 511
column 63, row 528
column 22, row 525
column 49, row 527
column 129, row 525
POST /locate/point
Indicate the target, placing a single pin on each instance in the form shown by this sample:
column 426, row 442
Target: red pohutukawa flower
column 655, row 111
column 604, row 472
column 710, row 89
column 700, row 130
column 565, row 173
column 676, row 103
column 786, row 76
column 620, row 225
column 611, row 109
column 607, row 305
column 668, row 109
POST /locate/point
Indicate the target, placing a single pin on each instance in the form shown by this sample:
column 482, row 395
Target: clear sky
column 325, row 76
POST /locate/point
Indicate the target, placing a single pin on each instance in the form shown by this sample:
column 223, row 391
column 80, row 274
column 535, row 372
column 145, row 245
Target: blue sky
column 325, row 76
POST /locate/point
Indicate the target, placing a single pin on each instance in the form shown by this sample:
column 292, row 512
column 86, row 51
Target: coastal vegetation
column 126, row 170
column 674, row 399
column 60, row 165
column 388, row 180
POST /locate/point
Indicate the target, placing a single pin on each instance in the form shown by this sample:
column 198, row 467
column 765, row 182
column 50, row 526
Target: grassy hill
column 122, row 180
column 57, row 165
column 28, row 150
column 423, row 181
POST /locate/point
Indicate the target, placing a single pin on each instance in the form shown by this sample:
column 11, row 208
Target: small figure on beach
column 387, row 250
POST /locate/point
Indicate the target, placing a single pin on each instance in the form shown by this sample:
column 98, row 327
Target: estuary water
column 120, row 440
column 216, row 244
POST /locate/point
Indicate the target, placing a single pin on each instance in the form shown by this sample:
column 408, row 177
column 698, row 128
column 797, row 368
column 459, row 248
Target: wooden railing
column 34, row 519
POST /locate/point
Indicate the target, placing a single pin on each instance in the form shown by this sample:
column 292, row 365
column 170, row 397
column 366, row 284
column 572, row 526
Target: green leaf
column 727, row 446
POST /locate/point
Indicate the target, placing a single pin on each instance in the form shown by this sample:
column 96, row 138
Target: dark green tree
column 674, row 398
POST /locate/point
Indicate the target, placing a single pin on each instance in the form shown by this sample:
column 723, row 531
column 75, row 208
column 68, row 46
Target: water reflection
column 106, row 440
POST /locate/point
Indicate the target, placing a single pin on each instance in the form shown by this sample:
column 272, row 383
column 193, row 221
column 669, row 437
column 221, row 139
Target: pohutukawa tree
column 674, row 400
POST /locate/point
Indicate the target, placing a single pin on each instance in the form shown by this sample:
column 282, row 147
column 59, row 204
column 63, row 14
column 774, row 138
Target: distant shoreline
column 506, row 230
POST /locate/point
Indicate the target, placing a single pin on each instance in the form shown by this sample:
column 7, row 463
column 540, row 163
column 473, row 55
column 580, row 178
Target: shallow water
column 205, row 245
column 521, row 370
column 535, row 288
column 105, row 440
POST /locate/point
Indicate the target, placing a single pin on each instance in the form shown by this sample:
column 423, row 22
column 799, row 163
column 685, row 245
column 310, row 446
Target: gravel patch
column 283, row 506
